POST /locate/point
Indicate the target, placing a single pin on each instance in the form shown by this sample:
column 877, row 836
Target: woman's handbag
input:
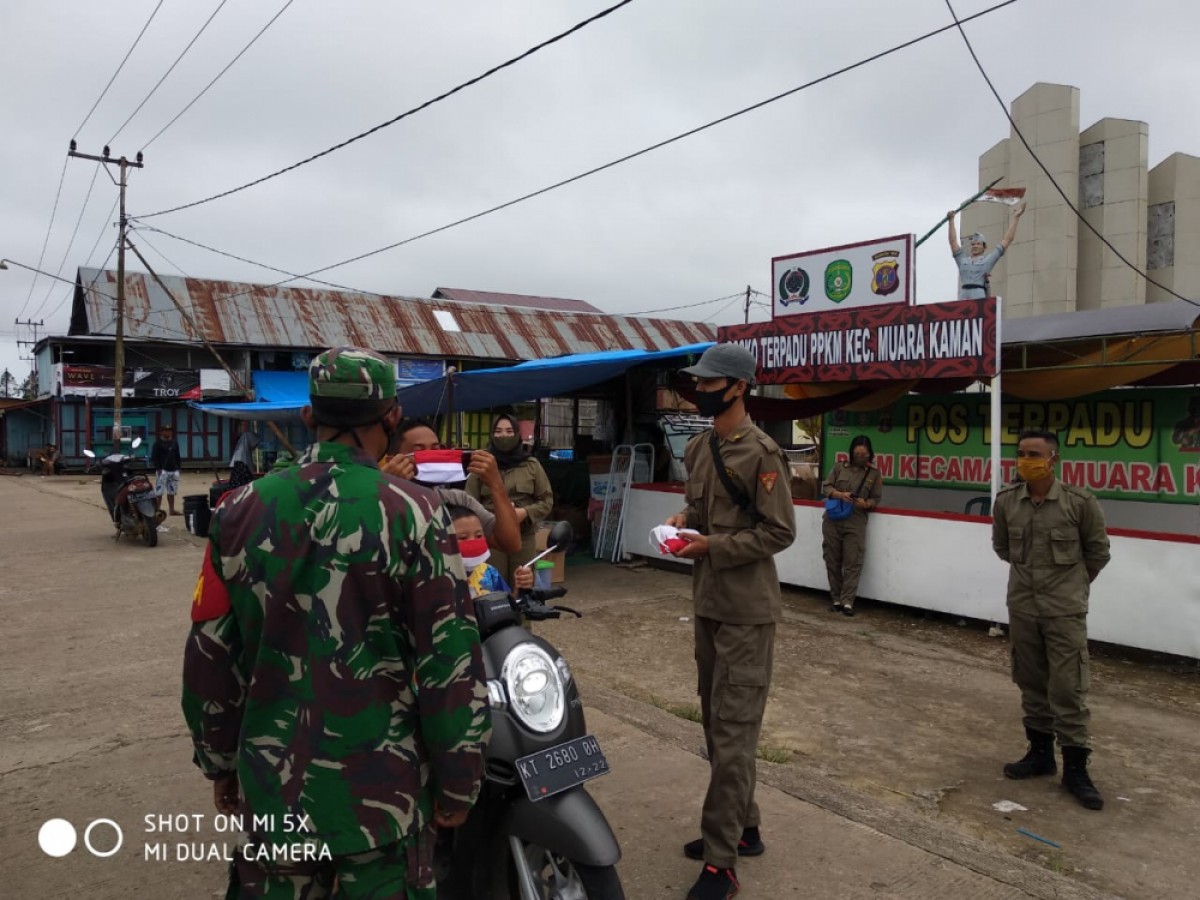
column 839, row 510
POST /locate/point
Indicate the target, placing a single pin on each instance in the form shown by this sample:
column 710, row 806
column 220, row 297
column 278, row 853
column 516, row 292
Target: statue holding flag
column 975, row 261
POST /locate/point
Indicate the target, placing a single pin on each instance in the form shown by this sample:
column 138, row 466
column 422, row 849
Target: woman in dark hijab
column 528, row 489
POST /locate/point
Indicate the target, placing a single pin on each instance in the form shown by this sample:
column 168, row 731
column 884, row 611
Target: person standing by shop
column 858, row 485
column 1053, row 538
column 740, row 506
column 333, row 680
column 165, row 460
column 527, row 486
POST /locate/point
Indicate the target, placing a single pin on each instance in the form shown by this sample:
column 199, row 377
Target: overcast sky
column 883, row 150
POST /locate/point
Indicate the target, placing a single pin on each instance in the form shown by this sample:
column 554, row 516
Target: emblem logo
column 793, row 287
column 767, row 479
column 839, row 280
column 886, row 272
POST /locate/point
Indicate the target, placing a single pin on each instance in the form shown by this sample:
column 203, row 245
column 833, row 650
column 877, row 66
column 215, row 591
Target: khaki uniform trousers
column 734, row 667
column 844, row 544
column 1050, row 665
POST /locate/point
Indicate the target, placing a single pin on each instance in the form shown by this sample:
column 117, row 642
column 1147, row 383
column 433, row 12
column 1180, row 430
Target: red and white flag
column 441, row 466
column 1007, row 196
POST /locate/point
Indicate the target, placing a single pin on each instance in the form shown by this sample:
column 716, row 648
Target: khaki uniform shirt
column 865, row 483
column 737, row 581
column 528, row 488
column 1052, row 549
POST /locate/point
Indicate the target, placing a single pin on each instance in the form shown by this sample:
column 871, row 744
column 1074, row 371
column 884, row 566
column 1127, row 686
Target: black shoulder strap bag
column 735, row 493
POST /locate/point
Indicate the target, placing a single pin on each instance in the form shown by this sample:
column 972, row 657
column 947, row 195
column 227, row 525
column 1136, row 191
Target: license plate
column 550, row 772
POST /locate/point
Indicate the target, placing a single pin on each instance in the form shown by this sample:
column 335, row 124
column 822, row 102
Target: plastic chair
column 984, row 504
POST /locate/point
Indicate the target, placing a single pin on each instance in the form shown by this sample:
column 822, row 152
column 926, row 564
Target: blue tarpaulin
column 281, row 395
column 277, row 396
column 492, row 388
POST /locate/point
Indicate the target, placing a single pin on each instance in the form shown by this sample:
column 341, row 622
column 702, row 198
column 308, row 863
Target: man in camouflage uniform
column 1052, row 536
column 333, row 673
column 735, row 590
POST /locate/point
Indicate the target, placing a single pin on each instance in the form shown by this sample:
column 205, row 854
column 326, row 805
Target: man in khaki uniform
column 844, row 542
column 741, row 526
column 1052, row 535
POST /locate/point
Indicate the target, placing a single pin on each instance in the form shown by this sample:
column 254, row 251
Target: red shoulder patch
column 767, row 480
column 211, row 598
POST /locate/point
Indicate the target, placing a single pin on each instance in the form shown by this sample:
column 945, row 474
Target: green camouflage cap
column 351, row 373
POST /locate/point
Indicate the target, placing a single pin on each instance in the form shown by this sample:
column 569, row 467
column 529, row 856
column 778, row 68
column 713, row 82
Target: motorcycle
column 535, row 833
column 129, row 496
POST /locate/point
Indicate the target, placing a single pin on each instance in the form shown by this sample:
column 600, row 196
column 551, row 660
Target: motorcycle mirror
column 137, row 442
column 560, row 535
column 89, row 454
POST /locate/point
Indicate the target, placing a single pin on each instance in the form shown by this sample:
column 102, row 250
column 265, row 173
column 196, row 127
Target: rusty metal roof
column 307, row 318
column 491, row 298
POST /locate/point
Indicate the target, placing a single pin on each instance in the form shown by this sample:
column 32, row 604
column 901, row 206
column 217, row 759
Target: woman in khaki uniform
column 528, row 489
column 845, row 542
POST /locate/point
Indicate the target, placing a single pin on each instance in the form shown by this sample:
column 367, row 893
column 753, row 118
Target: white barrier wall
column 1147, row 597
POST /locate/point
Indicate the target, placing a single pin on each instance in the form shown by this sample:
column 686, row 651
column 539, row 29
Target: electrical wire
column 228, row 66
column 91, row 284
column 71, row 243
column 684, row 306
column 404, row 115
column 128, row 53
column 630, row 156
column 958, row 23
column 46, row 240
column 178, row 59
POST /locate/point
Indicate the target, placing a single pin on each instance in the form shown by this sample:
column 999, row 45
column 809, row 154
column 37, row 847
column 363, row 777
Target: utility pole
column 119, row 344
column 29, row 323
column 747, row 317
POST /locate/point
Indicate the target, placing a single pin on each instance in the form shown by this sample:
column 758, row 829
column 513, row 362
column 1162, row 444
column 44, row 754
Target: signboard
column 869, row 273
column 147, row 384
column 937, row 340
column 415, row 371
column 1121, row 445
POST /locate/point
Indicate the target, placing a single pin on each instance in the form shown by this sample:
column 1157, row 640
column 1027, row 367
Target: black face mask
column 713, row 403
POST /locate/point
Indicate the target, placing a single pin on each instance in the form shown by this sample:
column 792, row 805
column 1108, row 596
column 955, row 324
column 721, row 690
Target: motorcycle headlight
column 536, row 692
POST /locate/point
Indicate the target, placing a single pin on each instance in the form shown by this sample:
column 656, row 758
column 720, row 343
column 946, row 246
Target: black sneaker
column 715, row 884
column 837, row 607
column 847, row 610
column 750, row 845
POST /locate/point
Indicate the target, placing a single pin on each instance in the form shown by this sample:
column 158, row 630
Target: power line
column 91, row 284
column 609, row 165
column 128, row 53
column 1003, row 106
column 46, row 240
column 71, row 243
column 228, row 66
column 178, row 59
column 646, row 312
column 404, row 115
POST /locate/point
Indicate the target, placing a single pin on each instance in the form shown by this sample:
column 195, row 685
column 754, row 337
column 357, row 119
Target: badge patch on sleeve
column 211, row 598
column 768, row 479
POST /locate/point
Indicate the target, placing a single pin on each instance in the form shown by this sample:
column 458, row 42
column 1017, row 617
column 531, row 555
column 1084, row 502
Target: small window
column 446, row 320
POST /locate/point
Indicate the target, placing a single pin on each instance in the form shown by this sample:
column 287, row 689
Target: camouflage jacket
column 334, row 661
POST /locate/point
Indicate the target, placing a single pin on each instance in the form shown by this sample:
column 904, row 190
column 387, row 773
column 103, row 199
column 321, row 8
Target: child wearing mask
column 483, row 578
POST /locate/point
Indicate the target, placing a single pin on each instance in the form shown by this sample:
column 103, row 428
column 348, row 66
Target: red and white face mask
column 441, row 466
column 474, row 552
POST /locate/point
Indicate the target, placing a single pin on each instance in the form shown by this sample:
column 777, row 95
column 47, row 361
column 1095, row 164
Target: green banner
column 1138, row 444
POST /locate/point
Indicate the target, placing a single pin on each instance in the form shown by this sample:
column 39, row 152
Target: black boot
column 1076, row 779
column 1038, row 760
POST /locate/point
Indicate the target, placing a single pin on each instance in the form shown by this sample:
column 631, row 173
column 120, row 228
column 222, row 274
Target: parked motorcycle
column 535, row 832
column 128, row 495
